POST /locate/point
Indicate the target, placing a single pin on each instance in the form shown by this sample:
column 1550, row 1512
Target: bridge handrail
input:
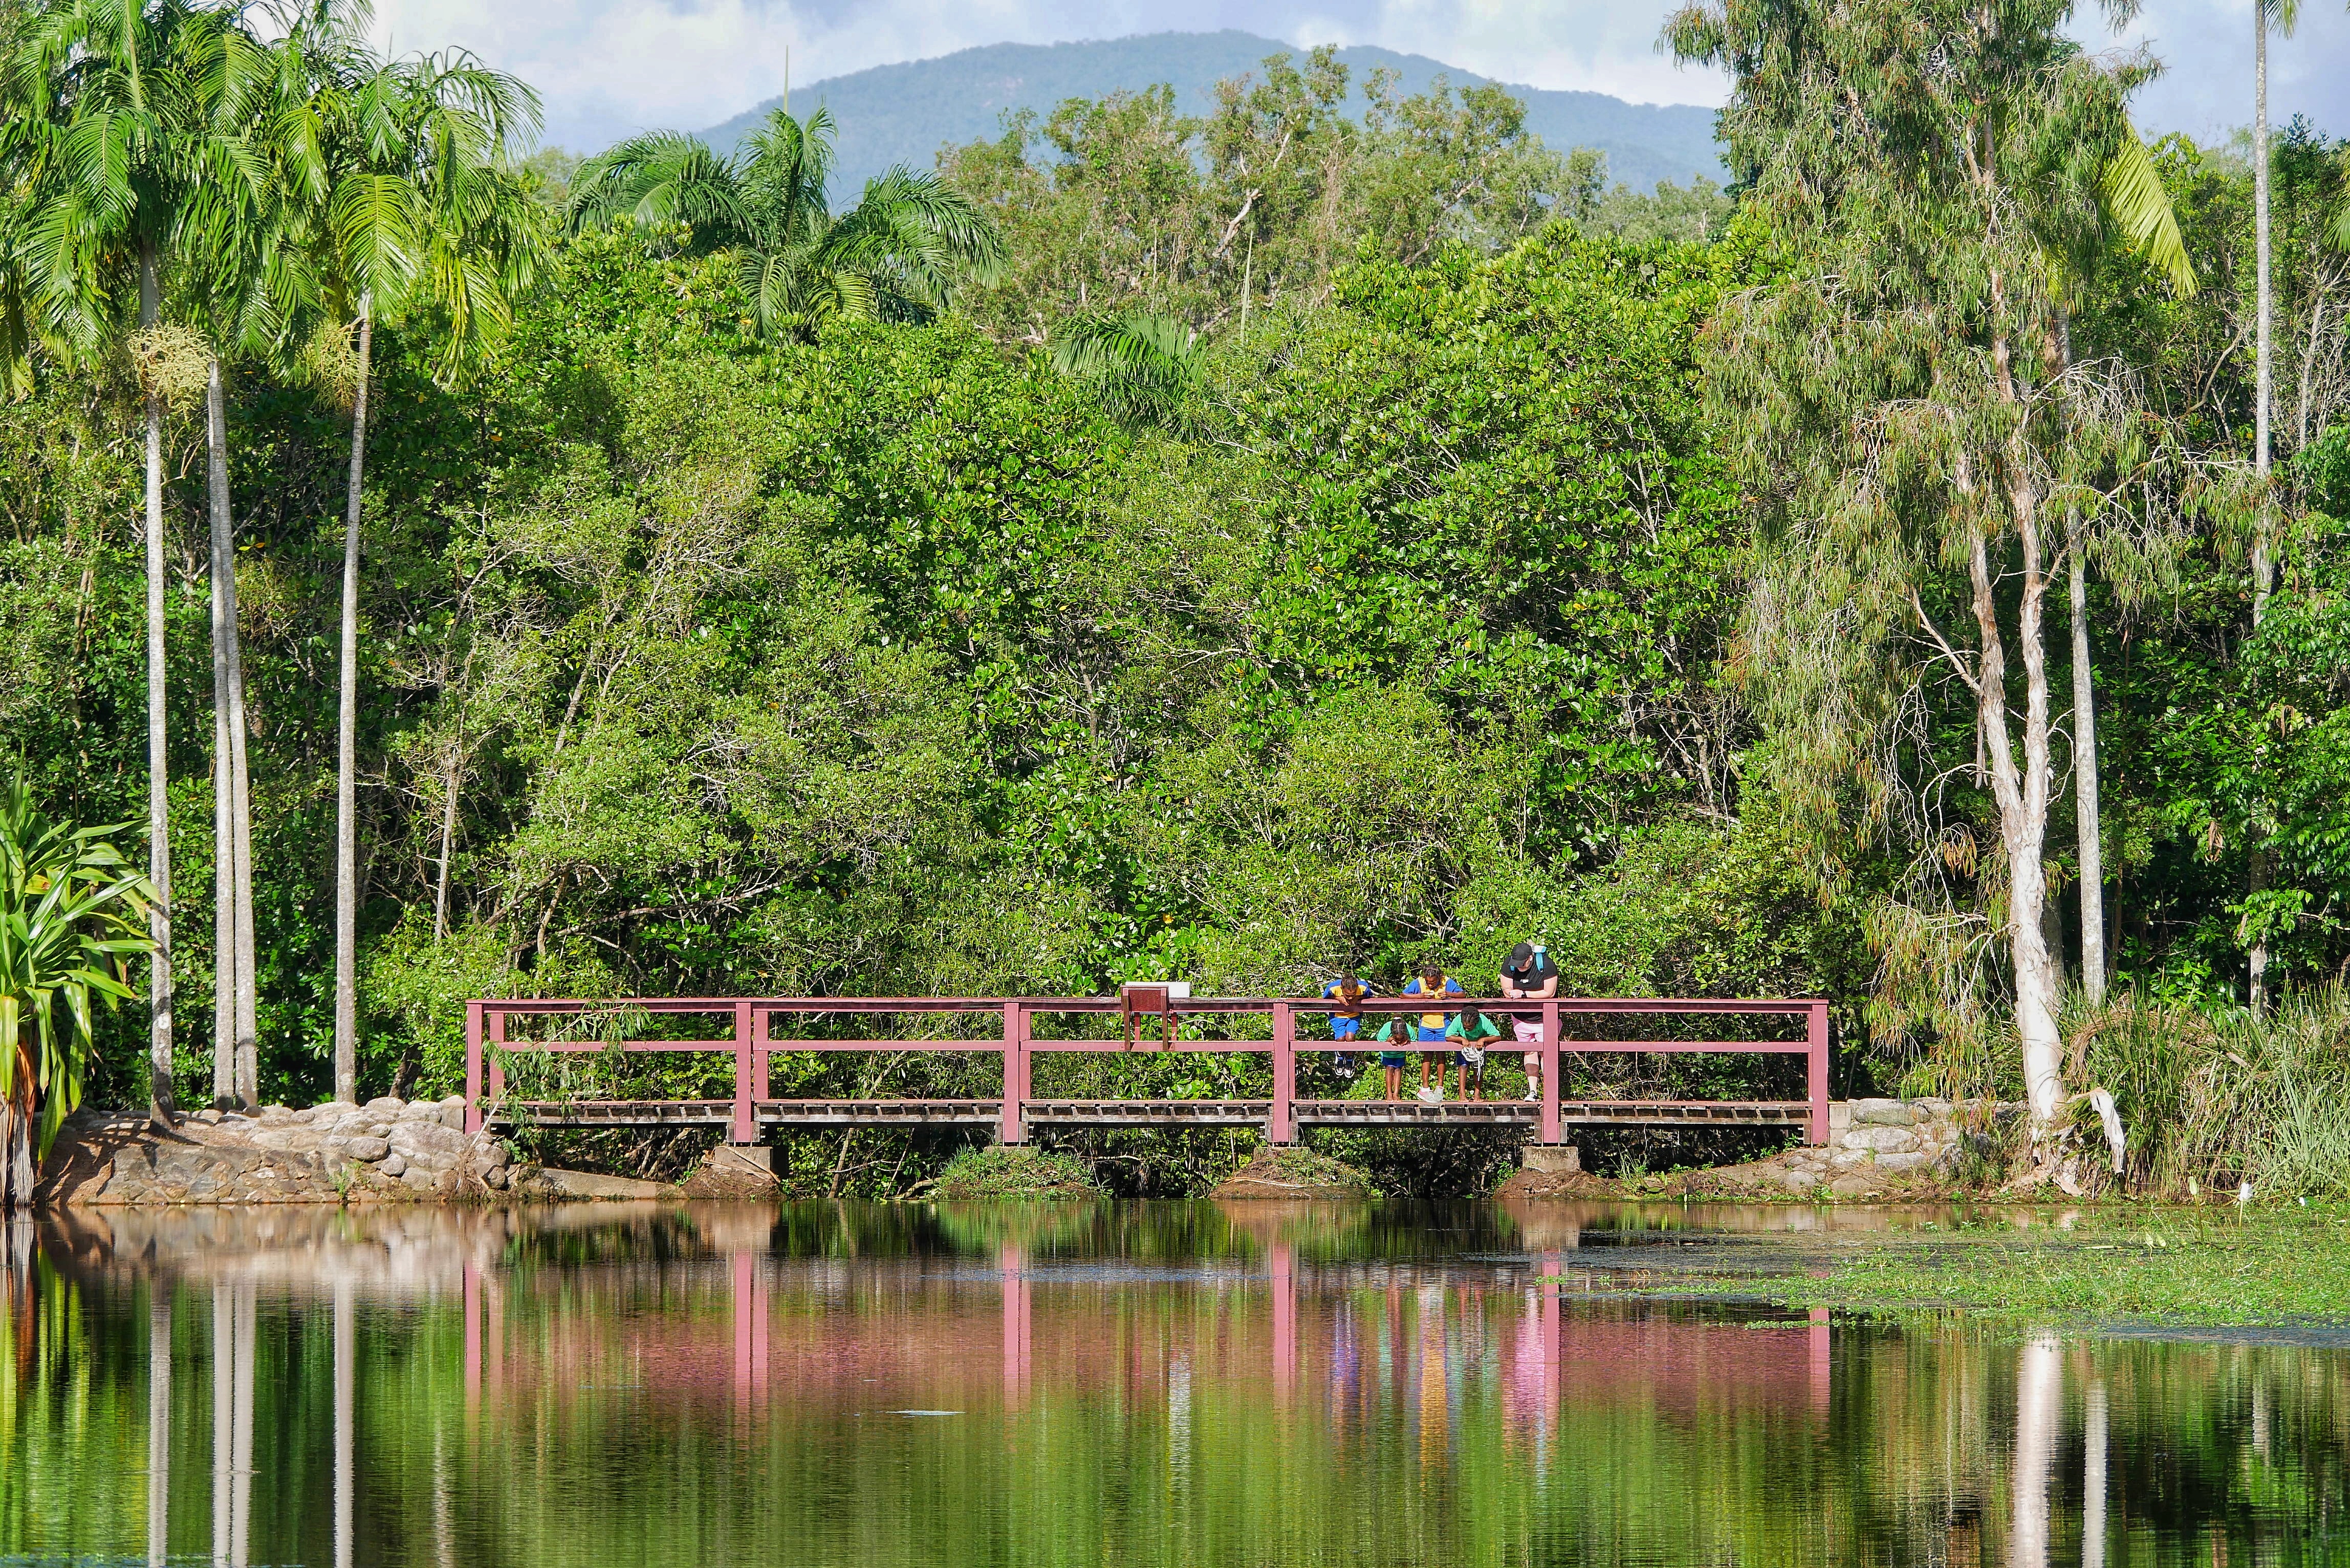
column 751, row 1041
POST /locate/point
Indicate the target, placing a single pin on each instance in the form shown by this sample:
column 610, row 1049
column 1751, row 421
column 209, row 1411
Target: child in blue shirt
column 1346, row 1018
column 1432, row 982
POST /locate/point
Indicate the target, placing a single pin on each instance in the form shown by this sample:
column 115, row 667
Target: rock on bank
column 334, row 1153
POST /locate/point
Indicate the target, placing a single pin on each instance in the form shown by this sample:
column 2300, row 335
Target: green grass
column 1014, row 1170
column 2189, row 1266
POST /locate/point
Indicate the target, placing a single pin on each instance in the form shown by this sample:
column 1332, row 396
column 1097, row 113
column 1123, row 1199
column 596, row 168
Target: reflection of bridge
column 1319, row 1330
column 491, row 1038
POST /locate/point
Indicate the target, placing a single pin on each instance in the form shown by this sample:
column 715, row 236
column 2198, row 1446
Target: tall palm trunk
column 2263, row 567
column 162, row 1091
column 232, row 790
column 2262, row 361
column 224, row 950
column 346, row 832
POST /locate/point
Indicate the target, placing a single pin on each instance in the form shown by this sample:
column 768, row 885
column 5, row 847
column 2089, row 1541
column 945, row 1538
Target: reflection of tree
column 2039, row 1408
column 1675, row 1434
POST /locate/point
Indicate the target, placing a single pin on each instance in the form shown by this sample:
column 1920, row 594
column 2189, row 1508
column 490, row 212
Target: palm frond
column 661, row 178
column 2130, row 190
column 1143, row 367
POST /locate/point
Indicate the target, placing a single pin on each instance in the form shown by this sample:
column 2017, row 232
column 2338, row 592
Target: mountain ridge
column 905, row 113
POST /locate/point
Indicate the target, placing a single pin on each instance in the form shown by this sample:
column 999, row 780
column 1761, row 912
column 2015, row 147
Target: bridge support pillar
column 742, row 1159
column 1552, row 1158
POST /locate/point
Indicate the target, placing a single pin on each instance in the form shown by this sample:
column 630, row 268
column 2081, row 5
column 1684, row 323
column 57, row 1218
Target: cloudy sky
column 608, row 66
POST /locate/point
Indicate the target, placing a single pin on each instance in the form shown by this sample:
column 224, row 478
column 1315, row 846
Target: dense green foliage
column 1399, row 626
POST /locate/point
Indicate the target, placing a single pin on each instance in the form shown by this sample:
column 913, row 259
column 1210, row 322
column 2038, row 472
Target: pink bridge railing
column 755, row 1036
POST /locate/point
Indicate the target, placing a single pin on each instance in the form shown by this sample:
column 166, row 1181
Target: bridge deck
column 1156, row 1113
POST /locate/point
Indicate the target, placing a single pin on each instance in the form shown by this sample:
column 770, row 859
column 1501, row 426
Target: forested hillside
column 1501, row 574
column 906, row 113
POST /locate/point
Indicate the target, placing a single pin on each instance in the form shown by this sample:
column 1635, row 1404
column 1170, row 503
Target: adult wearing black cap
column 1528, row 975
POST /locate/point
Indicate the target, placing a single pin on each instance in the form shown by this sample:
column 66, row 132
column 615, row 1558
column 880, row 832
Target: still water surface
column 1180, row 1384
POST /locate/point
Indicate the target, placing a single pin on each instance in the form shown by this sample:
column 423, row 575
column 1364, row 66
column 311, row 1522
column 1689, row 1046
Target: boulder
column 430, row 1146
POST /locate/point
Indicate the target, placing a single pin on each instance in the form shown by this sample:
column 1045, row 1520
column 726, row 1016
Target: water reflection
column 1162, row 1384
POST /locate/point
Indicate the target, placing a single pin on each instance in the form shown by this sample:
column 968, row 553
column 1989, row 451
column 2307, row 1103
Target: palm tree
column 116, row 177
column 897, row 254
column 71, row 911
column 2137, row 215
column 414, row 201
column 249, row 287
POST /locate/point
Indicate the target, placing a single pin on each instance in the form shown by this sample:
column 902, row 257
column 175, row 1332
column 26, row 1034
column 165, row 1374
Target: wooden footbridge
column 761, row 1028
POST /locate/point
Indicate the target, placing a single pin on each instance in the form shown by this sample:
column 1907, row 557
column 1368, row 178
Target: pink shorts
column 1528, row 1030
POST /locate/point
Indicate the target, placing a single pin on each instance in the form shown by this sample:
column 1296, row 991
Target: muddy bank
column 1293, row 1171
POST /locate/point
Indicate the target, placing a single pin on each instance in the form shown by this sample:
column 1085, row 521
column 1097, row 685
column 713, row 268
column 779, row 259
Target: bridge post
column 763, row 1027
column 747, row 1115
column 1284, row 1075
column 497, row 1021
column 472, row 1066
column 1550, row 1060
column 1817, row 1035
column 1015, row 1073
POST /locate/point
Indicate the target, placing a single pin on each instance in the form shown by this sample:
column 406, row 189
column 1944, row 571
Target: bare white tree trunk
column 162, row 1093
column 2039, row 1406
column 2022, row 798
column 2087, row 828
column 235, row 816
column 347, row 831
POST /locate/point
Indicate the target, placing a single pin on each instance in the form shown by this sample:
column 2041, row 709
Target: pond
column 1248, row 1384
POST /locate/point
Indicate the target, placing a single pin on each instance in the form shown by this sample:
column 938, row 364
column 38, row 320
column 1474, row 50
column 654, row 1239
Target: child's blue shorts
column 1344, row 1028
column 1428, row 1035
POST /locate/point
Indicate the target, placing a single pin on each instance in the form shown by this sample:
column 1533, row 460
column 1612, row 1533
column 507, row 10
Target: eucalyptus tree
column 1897, row 405
column 899, row 253
column 119, row 176
column 416, row 208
